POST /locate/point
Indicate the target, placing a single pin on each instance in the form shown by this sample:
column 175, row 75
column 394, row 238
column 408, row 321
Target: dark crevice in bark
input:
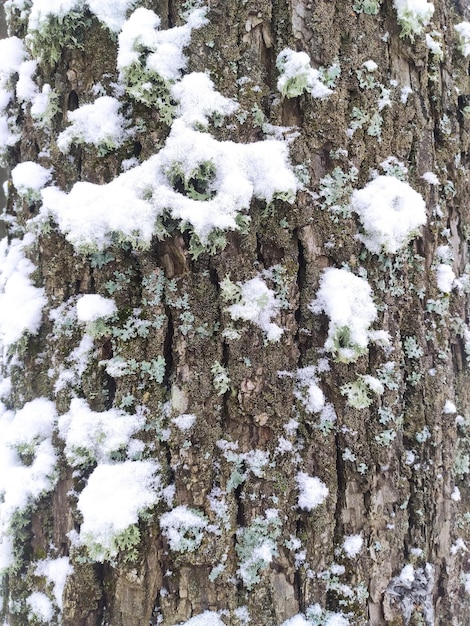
column 168, row 349
column 301, row 285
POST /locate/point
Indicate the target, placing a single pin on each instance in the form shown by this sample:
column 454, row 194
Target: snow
column 12, row 53
column 407, row 575
column 55, row 571
column 413, row 15
column 92, row 306
column 463, row 30
column 258, row 305
column 22, row 483
column 29, row 176
column 183, row 528
column 112, row 500
column 90, row 213
column 198, row 100
column 91, row 436
column 347, row 301
column 99, row 123
column 140, row 32
column 430, row 178
column 26, row 88
column 449, row 407
column 297, row 75
column 370, row 65
column 21, row 303
column 111, row 12
column 208, row 618
column 184, row 422
column 352, row 545
column 312, row 491
column 40, row 607
column 445, row 277
column 391, row 213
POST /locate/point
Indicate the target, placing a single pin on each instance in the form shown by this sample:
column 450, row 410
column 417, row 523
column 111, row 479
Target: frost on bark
column 234, row 313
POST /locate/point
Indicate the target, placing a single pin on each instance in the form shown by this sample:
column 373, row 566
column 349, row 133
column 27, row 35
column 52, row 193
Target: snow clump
column 258, row 304
column 463, row 31
column 111, row 502
column 183, row 528
column 312, row 491
column 347, row 300
column 29, row 178
column 391, row 213
column 297, row 75
column 92, row 306
column 413, row 16
column 352, row 545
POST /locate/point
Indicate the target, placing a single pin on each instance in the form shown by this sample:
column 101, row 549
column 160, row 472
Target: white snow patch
column 40, row 607
column 208, row 618
column 463, row 30
column 312, row 491
column 347, row 300
column 165, row 48
column 185, row 421
column 130, row 204
column 391, row 213
column 297, row 75
column 99, row 123
column 455, row 495
column 55, row 571
column 91, row 436
column 430, row 178
column 259, row 305
column 183, row 528
column 445, row 277
column 296, row 620
column 112, row 500
column 198, row 100
column 352, row 545
column 413, row 15
column 30, row 177
column 407, row 575
column 370, row 65
column 449, row 407
column 21, row 303
column 92, row 306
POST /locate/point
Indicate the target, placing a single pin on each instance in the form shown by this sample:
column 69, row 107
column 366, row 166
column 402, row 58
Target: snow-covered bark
column 233, row 313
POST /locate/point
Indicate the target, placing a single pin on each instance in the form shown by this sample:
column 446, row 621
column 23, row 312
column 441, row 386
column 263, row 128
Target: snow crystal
column 463, row 30
column 455, row 495
column 312, row 491
column 21, row 303
column 98, row 123
column 29, row 176
column 26, row 88
column 112, row 500
column 445, row 277
column 347, row 301
column 55, row 571
column 352, row 545
column 258, row 304
column 208, row 618
column 40, row 607
column 391, row 213
column 184, row 422
column 297, row 75
column 93, row 436
column 92, row 306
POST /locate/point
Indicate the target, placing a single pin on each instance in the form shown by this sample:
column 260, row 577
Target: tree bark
column 388, row 543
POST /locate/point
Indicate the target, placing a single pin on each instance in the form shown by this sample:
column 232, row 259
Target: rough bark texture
column 390, row 483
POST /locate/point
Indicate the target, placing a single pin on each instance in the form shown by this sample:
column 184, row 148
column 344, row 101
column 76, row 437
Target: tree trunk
column 234, row 313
